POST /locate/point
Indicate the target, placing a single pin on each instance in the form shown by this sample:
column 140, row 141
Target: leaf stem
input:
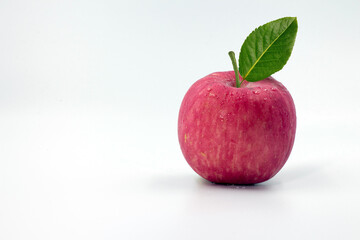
column 236, row 69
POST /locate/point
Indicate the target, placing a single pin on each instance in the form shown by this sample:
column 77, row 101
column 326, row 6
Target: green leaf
column 267, row 49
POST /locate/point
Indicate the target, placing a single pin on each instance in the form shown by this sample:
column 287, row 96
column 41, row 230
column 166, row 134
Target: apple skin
column 235, row 135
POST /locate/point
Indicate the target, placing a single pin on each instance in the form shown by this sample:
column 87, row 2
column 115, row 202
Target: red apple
column 236, row 135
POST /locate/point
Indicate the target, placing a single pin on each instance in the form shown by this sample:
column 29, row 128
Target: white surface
column 89, row 96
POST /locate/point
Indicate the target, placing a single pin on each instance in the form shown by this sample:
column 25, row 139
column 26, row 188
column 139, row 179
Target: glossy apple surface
column 236, row 135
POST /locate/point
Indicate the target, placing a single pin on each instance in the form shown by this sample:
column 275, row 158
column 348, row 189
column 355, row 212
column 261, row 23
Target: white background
column 89, row 97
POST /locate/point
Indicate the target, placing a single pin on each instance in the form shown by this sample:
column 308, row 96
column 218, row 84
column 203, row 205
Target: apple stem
column 236, row 69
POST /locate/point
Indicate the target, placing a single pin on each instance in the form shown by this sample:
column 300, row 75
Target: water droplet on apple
column 209, row 89
column 273, row 89
column 265, row 98
column 221, row 115
column 257, row 92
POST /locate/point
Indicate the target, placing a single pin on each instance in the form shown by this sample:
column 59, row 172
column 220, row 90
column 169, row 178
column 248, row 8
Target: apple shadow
column 206, row 196
column 265, row 186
